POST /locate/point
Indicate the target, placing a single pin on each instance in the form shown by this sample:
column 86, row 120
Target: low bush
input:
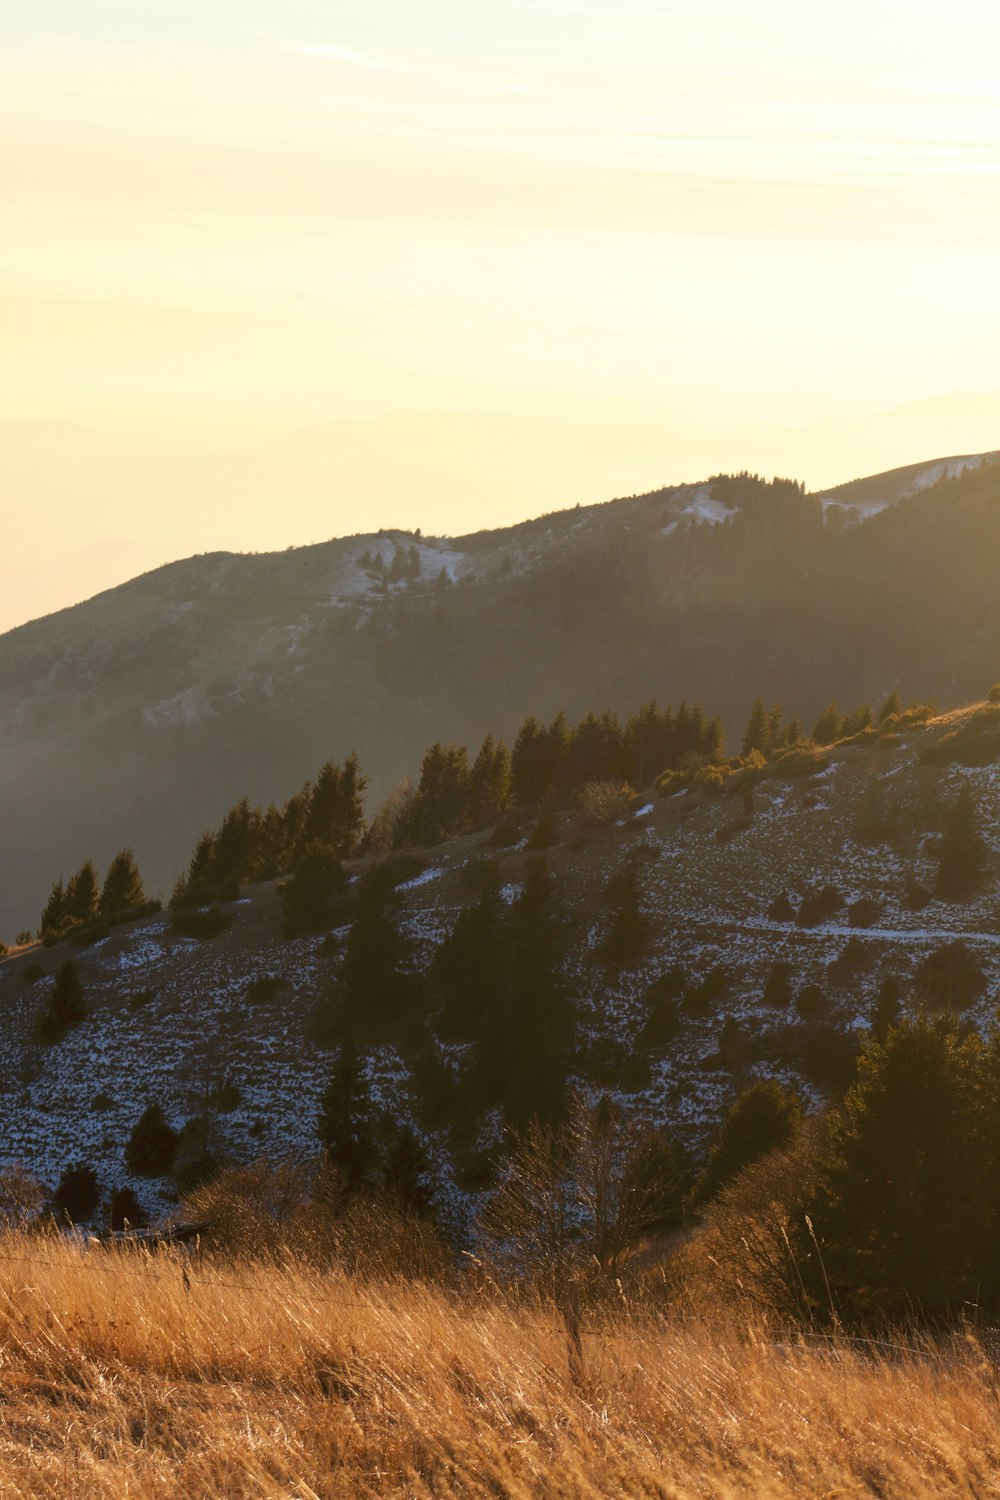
column 864, row 912
column 201, row 924
column 800, row 760
column 819, row 906
column 950, row 978
column 265, row 988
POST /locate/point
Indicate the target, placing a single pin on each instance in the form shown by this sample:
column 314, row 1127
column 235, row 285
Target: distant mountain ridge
column 138, row 716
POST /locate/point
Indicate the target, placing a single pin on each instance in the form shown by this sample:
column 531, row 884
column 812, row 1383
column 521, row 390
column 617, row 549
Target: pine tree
column 440, row 806
column 345, row 1126
column 898, row 1211
column 380, row 988
column 489, row 784
column 468, row 970
column 335, row 808
column 523, row 1051
column 890, row 709
column 886, row 1013
column 962, row 852
column 827, row 726
column 54, row 912
column 764, row 1118
column 629, row 931
column 408, row 1173
column 757, row 735
column 122, row 891
column 67, row 1005
column 80, row 906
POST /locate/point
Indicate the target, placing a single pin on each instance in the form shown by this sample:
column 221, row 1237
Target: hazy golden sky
column 270, row 273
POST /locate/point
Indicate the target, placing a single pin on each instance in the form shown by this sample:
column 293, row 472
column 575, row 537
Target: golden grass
column 116, row 1380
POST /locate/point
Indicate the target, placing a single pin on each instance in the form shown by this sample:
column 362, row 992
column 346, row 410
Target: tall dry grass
column 123, row 1374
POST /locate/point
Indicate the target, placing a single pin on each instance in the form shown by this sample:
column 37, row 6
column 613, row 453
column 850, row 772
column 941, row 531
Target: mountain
column 140, row 715
column 773, row 912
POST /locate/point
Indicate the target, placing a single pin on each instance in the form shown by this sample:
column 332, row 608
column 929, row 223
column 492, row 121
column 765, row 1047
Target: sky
column 272, row 273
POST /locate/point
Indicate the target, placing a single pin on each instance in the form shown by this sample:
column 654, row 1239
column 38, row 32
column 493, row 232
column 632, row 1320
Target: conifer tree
column 489, row 784
column 523, row 1052
column 898, row 1210
column 440, row 806
column 827, row 726
column 890, row 708
column 757, row 735
column 469, row 970
column 962, row 852
column 54, row 912
column 408, row 1172
column 886, row 1013
column 335, row 810
column 379, row 985
column 345, row 1126
column 629, row 930
column 764, row 1118
column 80, row 904
column 67, row 1005
column 122, row 891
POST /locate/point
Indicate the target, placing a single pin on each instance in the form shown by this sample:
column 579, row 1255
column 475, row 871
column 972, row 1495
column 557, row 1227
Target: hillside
column 138, row 715
column 173, row 1019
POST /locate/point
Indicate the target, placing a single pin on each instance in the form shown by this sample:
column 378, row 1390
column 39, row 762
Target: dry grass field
column 124, row 1374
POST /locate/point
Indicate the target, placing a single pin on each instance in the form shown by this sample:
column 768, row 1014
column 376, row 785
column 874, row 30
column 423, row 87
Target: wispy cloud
column 331, row 52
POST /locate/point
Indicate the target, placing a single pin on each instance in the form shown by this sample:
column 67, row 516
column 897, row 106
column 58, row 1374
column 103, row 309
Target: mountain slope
column 140, row 715
column 175, row 1020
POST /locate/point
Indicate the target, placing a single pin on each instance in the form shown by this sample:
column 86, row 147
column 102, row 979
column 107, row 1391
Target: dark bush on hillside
column 32, row 972
column 829, row 1058
column 396, row 869
column 66, row 1006
column 227, row 1098
column 90, row 933
column 799, row 761
column 778, row 989
column 703, row 998
column 864, row 912
column 152, row 1146
column 200, row 924
column 975, row 743
column 853, row 956
column 810, row 1002
column 264, row 988
column 126, row 1210
column 662, row 1025
column 765, row 1118
column 916, row 896
column 950, row 978
column 781, row 909
column 506, row 833
column 729, row 831
column 819, row 906
column 543, row 835
column 78, row 1194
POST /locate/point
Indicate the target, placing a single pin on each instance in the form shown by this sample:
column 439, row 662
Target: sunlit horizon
column 479, row 261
